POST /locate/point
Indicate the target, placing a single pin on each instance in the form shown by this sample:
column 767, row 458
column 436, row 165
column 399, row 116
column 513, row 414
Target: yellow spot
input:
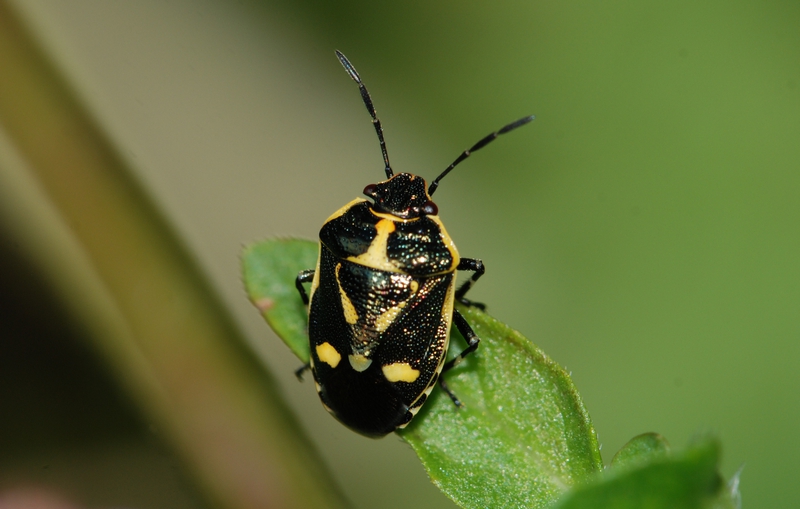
column 359, row 362
column 414, row 286
column 400, row 372
column 350, row 314
column 328, row 354
column 376, row 256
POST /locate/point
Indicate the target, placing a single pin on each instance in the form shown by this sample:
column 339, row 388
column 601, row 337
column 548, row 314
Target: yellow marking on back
column 328, row 354
column 386, row 318
column 447, row 242
column 376, row 256
column 359, row 362
column 400, row 372
column 350, row 314
column 344, row 209
column 447, row 313
column 315, row 281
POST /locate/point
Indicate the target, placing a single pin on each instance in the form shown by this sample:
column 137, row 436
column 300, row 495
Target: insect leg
column 299, row 372
column 477, row 267
column 472, row 344
column 457, row 402
column 305, row 276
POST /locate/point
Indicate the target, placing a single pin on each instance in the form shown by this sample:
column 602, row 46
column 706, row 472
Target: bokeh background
column 644, row 230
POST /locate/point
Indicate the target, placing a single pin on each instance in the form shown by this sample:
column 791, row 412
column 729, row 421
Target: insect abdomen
column 378, row 339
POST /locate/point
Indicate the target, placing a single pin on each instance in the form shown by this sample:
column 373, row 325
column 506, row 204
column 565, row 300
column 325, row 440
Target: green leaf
column 269, row 271
column 689, row 481
column 640, row 450
column 523, row 436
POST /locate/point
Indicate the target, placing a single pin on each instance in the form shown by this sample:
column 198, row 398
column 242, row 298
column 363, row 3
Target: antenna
column 485, row 141
column 370, row 108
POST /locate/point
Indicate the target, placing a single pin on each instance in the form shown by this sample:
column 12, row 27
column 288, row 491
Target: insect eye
column 370, row 190
column 430, row 208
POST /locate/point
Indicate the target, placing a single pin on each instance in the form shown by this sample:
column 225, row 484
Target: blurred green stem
column 69, row 200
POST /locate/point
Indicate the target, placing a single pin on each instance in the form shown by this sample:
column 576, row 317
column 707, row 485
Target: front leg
column 476, row 266
column 305, row 276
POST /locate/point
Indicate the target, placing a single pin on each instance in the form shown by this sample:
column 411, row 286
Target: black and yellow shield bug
column 382, row 296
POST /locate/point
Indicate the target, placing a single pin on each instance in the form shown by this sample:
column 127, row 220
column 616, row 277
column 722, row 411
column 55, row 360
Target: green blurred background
column 644, row 230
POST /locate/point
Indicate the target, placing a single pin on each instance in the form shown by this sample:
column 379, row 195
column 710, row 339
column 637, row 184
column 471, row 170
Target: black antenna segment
column 485, row 141
column 370, row 108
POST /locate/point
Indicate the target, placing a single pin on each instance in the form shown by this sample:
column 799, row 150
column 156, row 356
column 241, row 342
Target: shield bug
column 382, row 295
